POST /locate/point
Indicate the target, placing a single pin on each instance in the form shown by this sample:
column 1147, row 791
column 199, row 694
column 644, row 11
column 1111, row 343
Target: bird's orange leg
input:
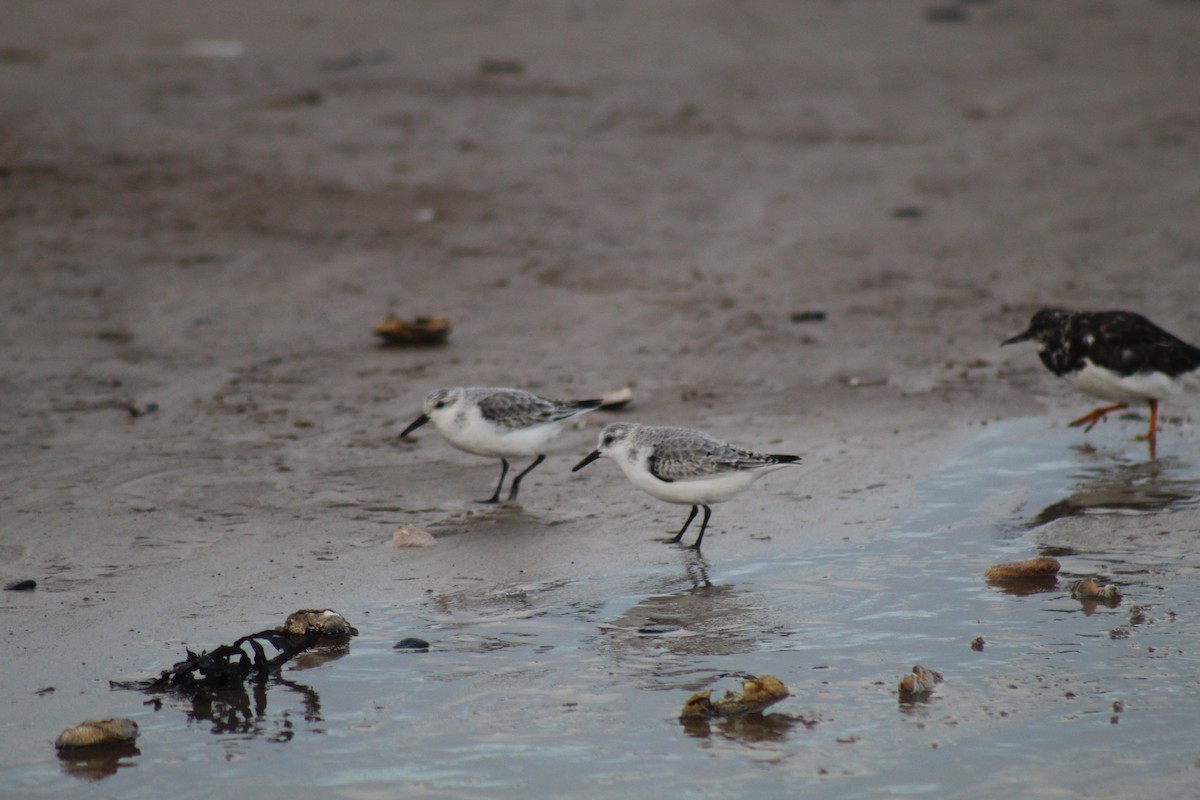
column 1092, row 418
column 1151, row 436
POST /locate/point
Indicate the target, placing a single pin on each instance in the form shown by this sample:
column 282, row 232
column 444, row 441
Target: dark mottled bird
column 1117, row 356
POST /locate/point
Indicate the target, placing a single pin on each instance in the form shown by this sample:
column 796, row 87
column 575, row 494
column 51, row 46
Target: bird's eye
column 440, row 404
column 608, row 440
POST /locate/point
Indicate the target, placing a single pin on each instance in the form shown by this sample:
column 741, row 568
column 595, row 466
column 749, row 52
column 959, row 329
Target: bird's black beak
column 589, row 458
column 1020, row 337
column 416, row 423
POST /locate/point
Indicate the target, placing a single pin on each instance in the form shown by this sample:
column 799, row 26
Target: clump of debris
column 253, row 657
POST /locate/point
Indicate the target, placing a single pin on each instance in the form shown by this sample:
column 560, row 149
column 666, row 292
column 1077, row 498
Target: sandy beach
column 204, row 210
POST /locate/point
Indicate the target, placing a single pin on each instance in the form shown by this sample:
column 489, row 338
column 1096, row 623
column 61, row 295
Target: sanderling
column 1113, row 355
column 681, row 465
column 499, row 423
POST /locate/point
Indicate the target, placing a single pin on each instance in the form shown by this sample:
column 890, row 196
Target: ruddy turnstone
column 1117, row 356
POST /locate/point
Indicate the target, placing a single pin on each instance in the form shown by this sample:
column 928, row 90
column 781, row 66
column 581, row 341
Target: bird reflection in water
column 1143, row 487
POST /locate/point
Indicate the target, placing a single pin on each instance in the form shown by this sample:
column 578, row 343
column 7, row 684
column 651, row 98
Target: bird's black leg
column 703, row 526
column 683, row 530
column 516, row 484
column 495, row 498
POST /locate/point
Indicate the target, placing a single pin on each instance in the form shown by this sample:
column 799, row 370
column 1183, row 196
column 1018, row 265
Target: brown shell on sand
column 321, row 621
column 422, row 330
column 1088, row 588
column 1036, row 569
column 410, row 536
column 95, row 732
column 757, row 694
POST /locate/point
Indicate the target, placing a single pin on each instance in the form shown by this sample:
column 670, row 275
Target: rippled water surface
column 574, row 688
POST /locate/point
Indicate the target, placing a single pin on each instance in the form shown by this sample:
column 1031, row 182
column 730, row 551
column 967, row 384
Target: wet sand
column 209, row 210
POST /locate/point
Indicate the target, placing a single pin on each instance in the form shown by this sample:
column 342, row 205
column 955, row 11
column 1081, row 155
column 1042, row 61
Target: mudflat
column 802, row 227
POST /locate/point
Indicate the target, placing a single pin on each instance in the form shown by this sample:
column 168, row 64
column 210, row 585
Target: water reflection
column 686, row 615
column 243, row 712
column 748, row 729
column 97, row 763
column 1141, row 488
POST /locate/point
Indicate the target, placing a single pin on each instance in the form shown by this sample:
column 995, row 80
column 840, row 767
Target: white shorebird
column 1117, row 356
column 499, row 423
column 681, row 465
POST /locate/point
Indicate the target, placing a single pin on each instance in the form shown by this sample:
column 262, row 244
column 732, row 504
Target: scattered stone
column 1137, row 615
column 142, row 410
column 808, row 316
column 323, row 622
column 95, row 732
column 1031, row 569
column 658, row 630
column 757, row 694
column 356, row 60
column 21, row 586
column 421, row 331
column 907, row 212
column 977, row 644
column 409, row 536
column 918, row 682
column 412, row 645
column 1087, row 588
column 945, row 13
column 501, row 66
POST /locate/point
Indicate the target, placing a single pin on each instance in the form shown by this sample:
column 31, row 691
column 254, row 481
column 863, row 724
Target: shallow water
column 573, row 688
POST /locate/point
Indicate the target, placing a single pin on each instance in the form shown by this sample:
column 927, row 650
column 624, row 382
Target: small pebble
column 977, row 644
column 93, row 732
column 918, row 682
column 412, row 644
column 945, row 14
column 1029, row 569
column 808, row 316
column 657, row 630
column 323, row 621
column 409, row 536
column 21, row 586
column 1087, row 587
column 140, row 411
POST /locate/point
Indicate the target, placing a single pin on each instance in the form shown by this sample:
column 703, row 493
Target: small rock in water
column 409, row 536
column 757, row 694
column 94, row 732
column 918, row 682
column 21, row 586
column 1088, row 588
column 1031, row 569
column 321, row 621
column 977, row 644
column 412, row 644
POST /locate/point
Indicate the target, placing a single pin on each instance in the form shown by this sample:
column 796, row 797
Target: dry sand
column 208, row 206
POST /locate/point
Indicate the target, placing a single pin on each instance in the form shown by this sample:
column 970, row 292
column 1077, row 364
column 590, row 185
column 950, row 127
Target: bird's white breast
column 716, row 489
column 474, row 434
column 1109, row 385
